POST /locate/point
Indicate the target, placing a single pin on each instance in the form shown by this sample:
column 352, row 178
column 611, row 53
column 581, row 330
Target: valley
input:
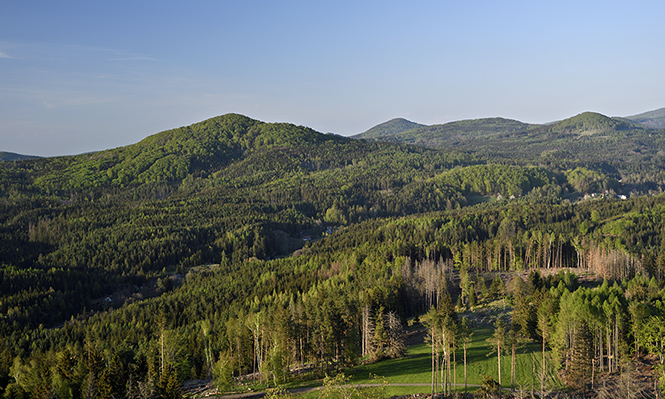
column 234, row 247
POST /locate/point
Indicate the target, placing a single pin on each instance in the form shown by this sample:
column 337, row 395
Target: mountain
column 652, row 119
column 163, row 260
column 588, row 137
column 392, row 127
column 173, row 154
column 10, row 156
column 589, row 123
column 442, row 135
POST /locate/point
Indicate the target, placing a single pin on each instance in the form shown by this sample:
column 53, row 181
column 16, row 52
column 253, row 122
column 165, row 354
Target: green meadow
column 416, row 365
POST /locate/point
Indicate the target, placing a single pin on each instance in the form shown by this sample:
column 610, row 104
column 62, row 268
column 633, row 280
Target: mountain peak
column 589, row 123
column 389, row 128
column 173, row 154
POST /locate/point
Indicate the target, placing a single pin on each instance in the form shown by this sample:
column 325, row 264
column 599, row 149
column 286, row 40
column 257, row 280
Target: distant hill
column 197, row 239
column 586, row 137
column 588, row 123
column 443, row 135
column 173, row 154
column 392, row 127
column 11, row 156
column 652, row 119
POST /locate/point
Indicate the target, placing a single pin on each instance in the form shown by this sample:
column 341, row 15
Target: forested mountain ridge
column 11, row 156
column 652, row 119
column 389, row 128
column 588, row 123
column 173, row 154
column 240, row 243
column 472, row 128
column 623, row 149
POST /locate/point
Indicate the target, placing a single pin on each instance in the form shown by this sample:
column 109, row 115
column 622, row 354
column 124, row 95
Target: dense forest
column 234, row 246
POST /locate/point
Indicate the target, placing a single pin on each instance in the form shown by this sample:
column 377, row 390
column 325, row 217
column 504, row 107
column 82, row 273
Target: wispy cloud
column 5, row 55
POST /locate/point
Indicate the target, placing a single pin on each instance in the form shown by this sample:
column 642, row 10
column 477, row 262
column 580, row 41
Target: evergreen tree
column 579, row 375
column 380, row 338
column 465, row 334
column 498, row 342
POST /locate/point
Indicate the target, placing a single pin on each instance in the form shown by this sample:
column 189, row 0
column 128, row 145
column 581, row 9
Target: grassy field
column 415, row 366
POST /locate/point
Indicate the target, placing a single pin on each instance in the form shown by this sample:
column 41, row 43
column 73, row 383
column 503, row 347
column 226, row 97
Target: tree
column 465, row 334
column 516, row 341
column 380, row 337
column 367, row 325
column 546, row 311
column 223, row 373
column 433, row 321
column 277, row 393
column 205, row 329
column 276, row 366
column 254, row 322
column 169, row 385
column 579, row 374
column 498, row 342
column 489, row 388
column 395, row 346
column 652, row 338
column 338, row 387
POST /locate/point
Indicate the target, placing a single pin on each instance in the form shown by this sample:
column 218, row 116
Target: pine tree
column 380, row 337
column 395, row 346
column 498, row 342
column 546, row 310
column 169, row 385
column 223, row 373
column 206, row 326
column 465, row 333
column 579, row 375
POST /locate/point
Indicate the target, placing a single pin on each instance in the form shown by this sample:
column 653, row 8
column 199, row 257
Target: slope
column 454, row 132
column 588, row 137
column 125, row 271
column 589, row 123
column 392, row 127
column 652, row 119
column 11, row 156
column 170, row 156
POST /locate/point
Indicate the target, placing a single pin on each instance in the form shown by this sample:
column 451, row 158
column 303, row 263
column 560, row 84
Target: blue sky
column 79, row 76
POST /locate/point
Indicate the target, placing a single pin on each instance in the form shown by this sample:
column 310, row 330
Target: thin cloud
column 5, row 56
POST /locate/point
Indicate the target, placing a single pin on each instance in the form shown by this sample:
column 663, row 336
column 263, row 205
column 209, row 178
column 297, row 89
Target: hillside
column 234, row 241
column 172, row 155
column 11, row 156
column 620, row 147
column 652, row 119
column 392, row 127
column 589, row 123
column 442, row 136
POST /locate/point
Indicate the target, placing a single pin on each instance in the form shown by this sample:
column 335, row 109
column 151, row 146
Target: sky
column 82, row 76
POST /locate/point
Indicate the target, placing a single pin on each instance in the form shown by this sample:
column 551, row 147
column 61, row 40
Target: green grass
column 389, row 392
column 415, row 366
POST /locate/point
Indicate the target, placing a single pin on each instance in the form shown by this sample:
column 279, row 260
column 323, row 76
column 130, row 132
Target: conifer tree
column 465, row 333
column 380, row 337
column 579, row 375
column 498, row 341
